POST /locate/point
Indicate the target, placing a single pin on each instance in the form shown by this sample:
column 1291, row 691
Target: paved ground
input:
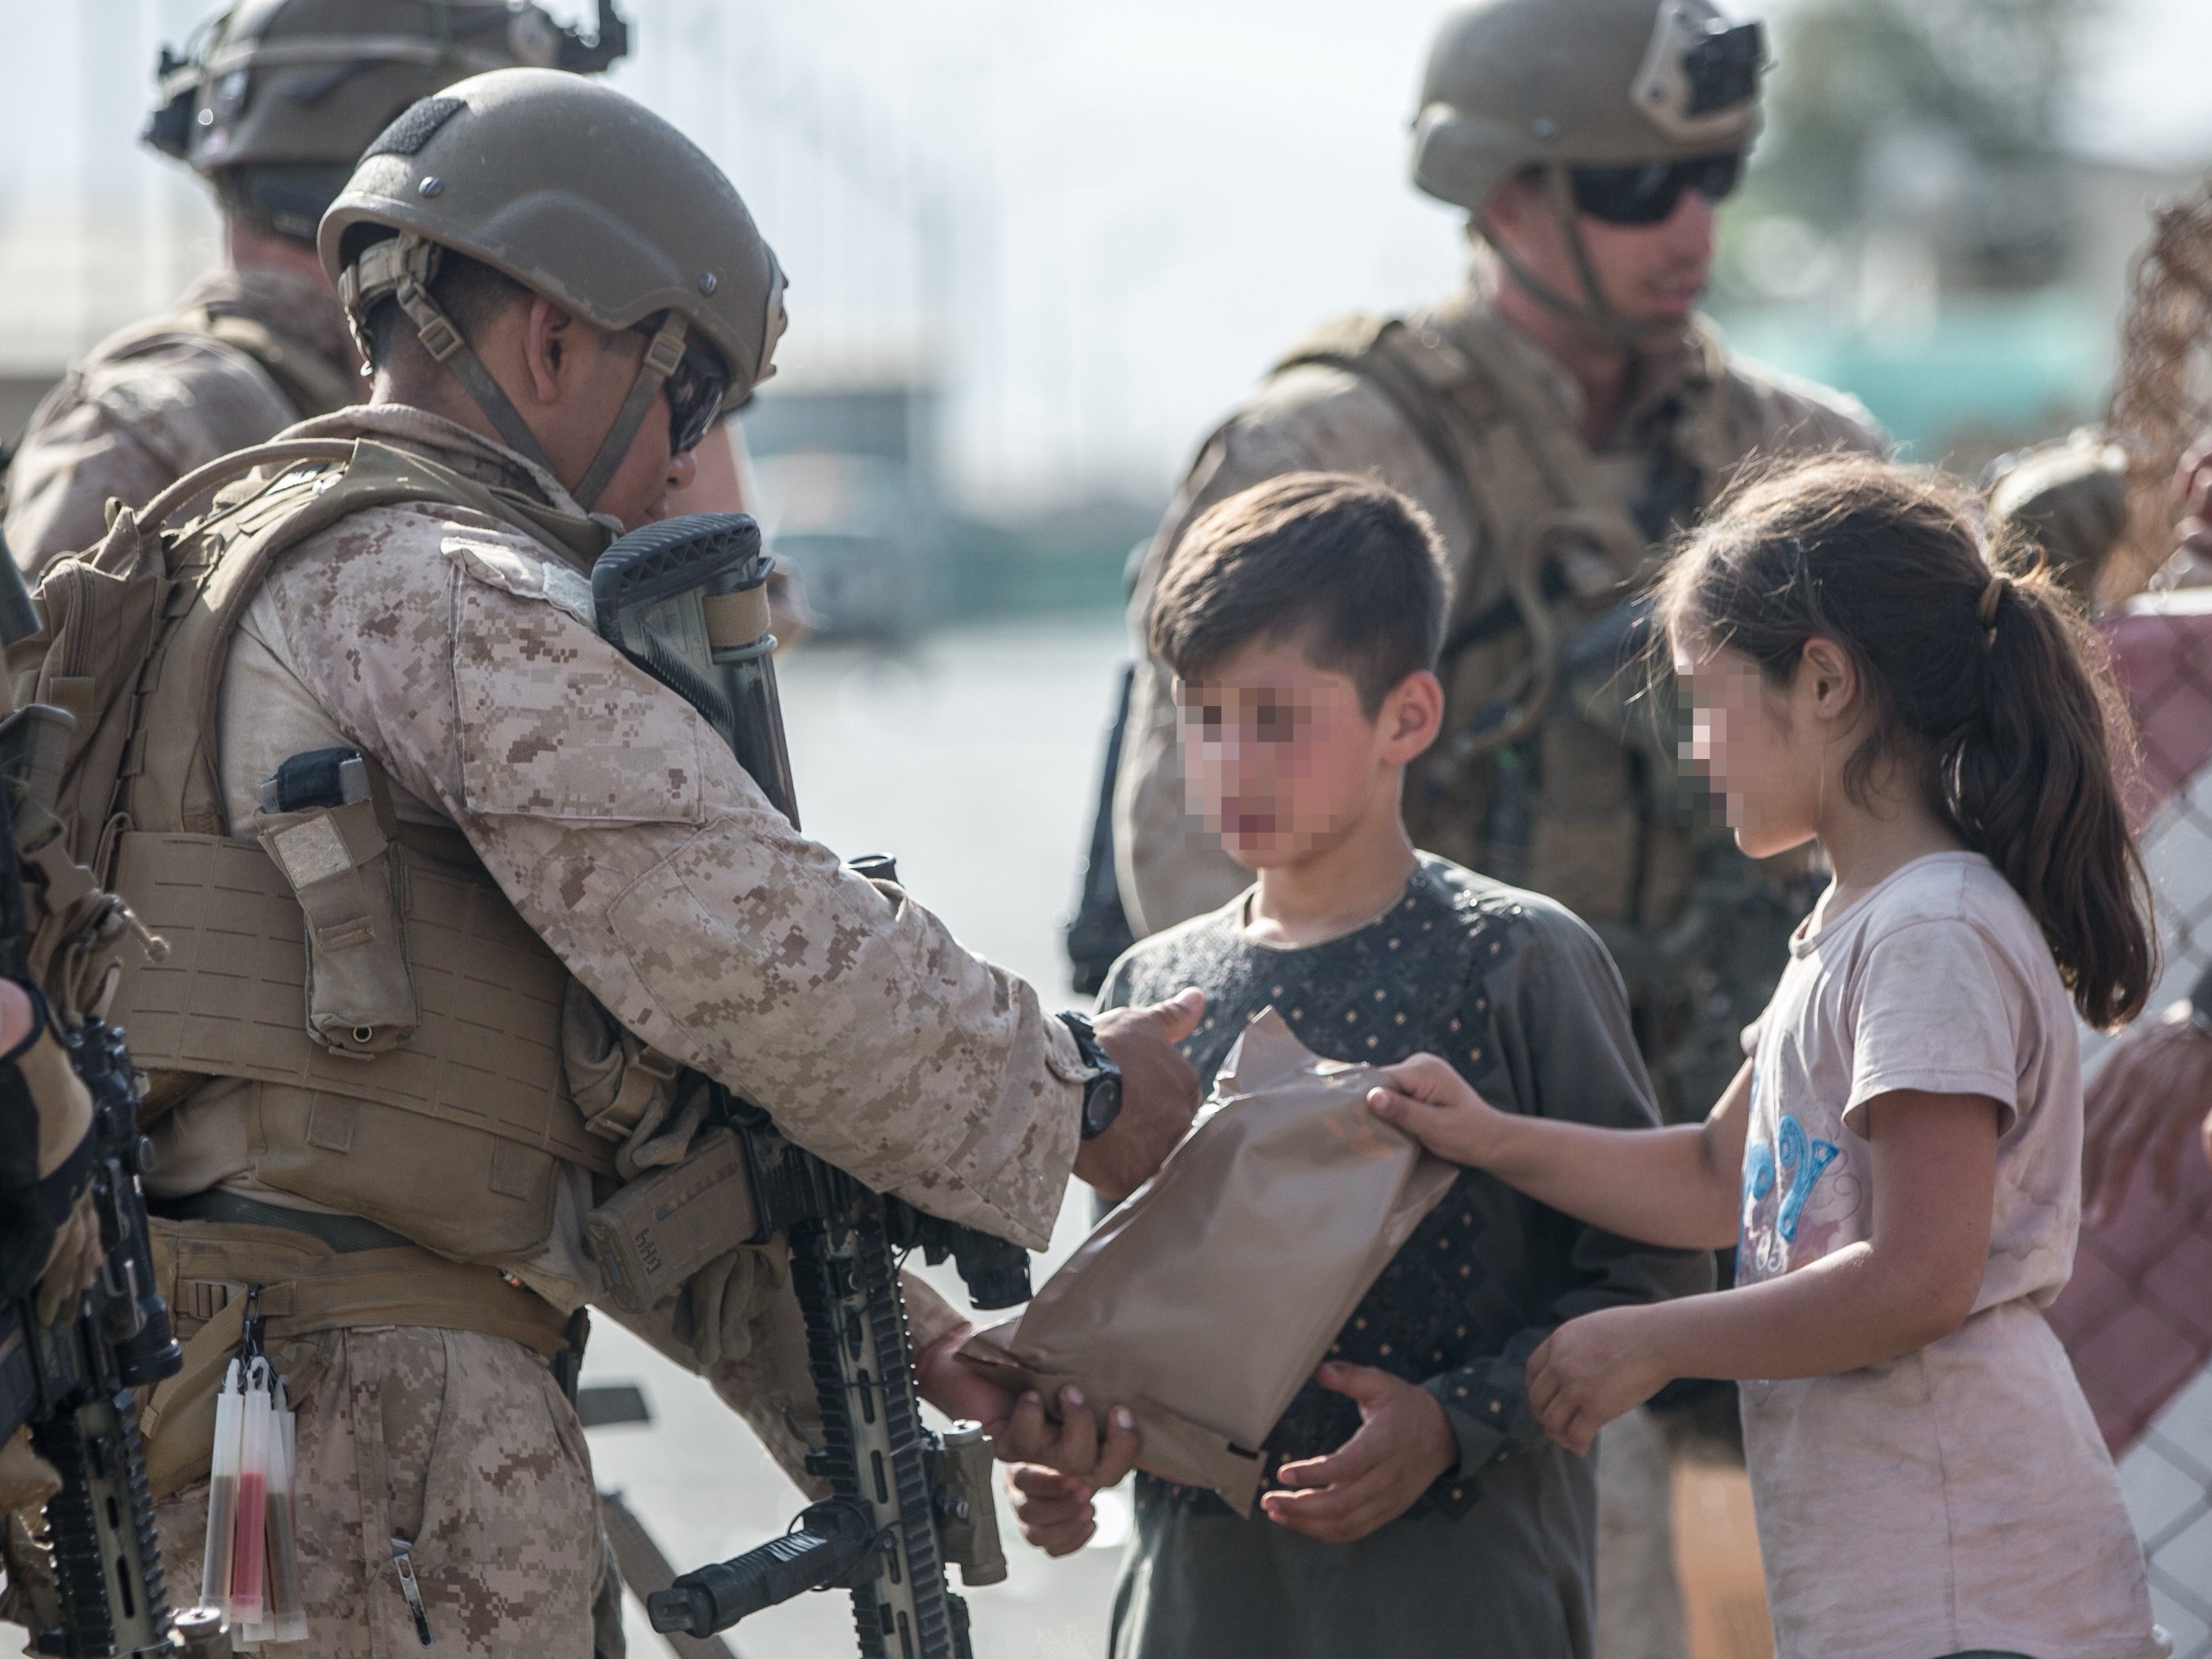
column 972, row 759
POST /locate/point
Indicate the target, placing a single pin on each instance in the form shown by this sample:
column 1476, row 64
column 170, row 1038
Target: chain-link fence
column 2137, row 1316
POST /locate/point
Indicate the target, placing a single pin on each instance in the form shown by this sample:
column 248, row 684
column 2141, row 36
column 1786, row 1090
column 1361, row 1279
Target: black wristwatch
column 1102, row 1089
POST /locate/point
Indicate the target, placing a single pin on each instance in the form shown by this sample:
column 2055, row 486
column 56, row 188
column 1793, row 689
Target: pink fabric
column 2136, row 1317
column 2161, row 649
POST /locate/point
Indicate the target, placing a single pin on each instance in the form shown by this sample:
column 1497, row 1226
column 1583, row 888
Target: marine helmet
column 274, row 100
column 1556, row 85
column 583, row 196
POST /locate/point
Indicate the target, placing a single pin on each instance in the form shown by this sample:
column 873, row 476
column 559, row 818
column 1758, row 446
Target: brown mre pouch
column 340, row 862
column 657, row 1230
column 1204, row 1301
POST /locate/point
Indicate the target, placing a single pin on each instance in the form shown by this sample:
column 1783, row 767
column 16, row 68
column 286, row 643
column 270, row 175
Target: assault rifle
column 71, row 1380
column 686, row 601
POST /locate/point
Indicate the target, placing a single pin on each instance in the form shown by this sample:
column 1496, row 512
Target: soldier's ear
column 549, row 338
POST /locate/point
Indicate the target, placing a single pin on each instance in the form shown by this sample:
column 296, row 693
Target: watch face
column 1101, row 1104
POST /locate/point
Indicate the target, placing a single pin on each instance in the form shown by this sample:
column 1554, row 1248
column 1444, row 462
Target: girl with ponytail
column 1899, row 1162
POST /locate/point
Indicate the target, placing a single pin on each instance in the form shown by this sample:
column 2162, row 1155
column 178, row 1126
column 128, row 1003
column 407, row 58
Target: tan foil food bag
column 1204, row 1301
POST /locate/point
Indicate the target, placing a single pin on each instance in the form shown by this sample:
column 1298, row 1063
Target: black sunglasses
column 1645, row 192
column 695, row 389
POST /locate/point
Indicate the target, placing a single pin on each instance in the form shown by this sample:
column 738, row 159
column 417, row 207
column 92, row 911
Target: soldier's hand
column 959, row 1389
column 1159, row 1093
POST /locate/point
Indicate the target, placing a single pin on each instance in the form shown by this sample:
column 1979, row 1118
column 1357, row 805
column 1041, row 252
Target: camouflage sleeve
column 1310, row 418
column 630, row 838
column 128, row 429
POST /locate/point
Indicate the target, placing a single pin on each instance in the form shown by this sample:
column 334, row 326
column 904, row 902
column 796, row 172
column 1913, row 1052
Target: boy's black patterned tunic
column 1498, row 1556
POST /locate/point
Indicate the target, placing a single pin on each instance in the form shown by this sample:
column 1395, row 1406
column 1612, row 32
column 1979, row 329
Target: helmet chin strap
column 403, row 266
column 659, row 361
column 1596, row 310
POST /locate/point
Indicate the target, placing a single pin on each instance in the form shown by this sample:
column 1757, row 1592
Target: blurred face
column 1279, row 761
column 1648, row 273
column 1752, row 748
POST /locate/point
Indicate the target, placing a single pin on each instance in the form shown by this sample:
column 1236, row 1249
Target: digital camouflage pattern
column 158, row 398
column 461, row 1443
column 461, row 654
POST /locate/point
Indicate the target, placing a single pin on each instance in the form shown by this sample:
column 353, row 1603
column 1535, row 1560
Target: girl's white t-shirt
column 1959, row 1498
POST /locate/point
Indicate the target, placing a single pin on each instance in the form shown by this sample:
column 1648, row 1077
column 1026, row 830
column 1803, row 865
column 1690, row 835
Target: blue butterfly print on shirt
column 1802, row 1158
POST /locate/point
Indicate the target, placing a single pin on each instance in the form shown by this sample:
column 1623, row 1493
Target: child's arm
column 1678, row 1186
column 1913, row 1282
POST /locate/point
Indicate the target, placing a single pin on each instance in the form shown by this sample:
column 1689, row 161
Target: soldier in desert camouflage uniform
column 273, row 105
column 598, row 904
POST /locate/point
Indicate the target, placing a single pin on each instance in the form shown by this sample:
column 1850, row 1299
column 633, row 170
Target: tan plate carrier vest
column 1539, row 506
column 455, row 1138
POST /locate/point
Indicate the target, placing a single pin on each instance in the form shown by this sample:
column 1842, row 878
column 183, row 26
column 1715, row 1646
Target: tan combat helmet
column 1562, row 84
column 274, row 100
column 582, row 195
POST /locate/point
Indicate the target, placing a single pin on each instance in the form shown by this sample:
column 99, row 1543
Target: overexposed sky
column 1092, row 225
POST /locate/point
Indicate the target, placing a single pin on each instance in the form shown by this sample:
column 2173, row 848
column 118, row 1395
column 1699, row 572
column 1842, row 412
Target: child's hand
column 1075, row 1444
column 1434, row 1104
column 1052, row 1509
column 1403, row 1444
column 1590, row 1370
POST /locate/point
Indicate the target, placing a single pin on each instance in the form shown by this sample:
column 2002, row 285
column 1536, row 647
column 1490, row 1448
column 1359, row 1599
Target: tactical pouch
column 343, row 868
column 658, row 1230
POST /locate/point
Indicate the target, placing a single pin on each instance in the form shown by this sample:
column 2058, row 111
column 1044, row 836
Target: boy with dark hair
column 1415, row 1506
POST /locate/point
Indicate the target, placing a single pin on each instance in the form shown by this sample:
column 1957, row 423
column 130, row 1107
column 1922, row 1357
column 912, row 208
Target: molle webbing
column 229, row 1000
column 171, row 774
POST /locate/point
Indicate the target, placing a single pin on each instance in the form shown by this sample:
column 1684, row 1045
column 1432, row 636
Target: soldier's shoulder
column 1320, row 414
column 163, row 349
column 406, row 548
column 187, row 397
column 1773, row 410
column 1313, row 405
